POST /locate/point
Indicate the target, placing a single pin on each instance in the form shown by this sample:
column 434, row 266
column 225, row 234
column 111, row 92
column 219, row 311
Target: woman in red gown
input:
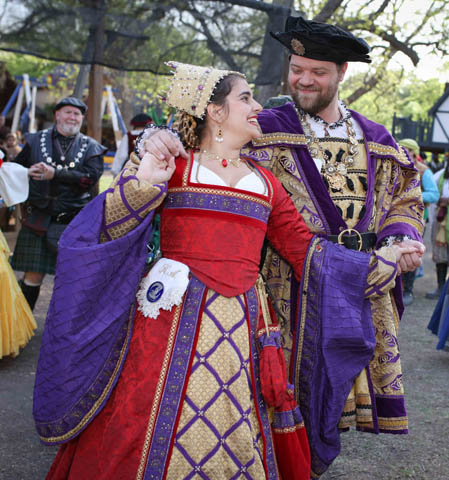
column 194, row 384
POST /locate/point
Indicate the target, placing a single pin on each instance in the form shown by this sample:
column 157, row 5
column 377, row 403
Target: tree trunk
column 94, row 112
column 96, row 74
column 268, row 82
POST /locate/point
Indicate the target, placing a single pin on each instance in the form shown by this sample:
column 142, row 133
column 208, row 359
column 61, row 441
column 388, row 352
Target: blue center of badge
column 155, row 291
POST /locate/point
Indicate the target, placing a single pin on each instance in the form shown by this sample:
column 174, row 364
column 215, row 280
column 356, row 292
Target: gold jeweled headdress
column 192, row 86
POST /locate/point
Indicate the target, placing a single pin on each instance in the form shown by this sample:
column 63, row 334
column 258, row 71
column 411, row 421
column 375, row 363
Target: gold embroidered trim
column 400, row 423
column 306, row 271
column 158, row 393
column 262, row 331
column 185, row 178
column 299, row 139
column 107, row 389
column 187, row 170
column 392, row 420
column 388, row 150
column 280, row 137
column 393, row 220
column 289, row 429
column 219, row 192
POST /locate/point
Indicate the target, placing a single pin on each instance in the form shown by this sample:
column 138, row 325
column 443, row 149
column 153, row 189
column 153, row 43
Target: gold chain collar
column 334, row 172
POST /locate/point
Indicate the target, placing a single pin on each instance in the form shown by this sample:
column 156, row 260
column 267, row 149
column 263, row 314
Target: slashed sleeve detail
column 287, row 231
column 405, row 214
column 382, row 272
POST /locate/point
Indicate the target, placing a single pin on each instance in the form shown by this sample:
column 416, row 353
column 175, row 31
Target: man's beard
column 67, row 129
column 315, row 105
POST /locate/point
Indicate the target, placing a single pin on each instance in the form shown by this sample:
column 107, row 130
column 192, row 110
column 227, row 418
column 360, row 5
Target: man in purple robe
column 356, row 187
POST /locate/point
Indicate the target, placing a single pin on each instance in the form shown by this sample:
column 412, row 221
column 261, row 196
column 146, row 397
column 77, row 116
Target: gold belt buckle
column 349, row 231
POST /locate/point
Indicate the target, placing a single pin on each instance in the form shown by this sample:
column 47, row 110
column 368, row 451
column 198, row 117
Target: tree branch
column 254, row 5
column 396, row 44
column 328, row 10
column 213, row 44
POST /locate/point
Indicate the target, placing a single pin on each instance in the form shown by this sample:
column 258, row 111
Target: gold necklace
column 235, row 162
column 334, row 172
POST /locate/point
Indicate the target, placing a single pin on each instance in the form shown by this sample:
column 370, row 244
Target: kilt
column 32, row 254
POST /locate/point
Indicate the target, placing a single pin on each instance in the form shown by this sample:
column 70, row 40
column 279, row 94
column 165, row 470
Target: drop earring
column 219, row 136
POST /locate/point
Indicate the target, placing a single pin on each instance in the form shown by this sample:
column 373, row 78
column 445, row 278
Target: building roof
column 440, row 101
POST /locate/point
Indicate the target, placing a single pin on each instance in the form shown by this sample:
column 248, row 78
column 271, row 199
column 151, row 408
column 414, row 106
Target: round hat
column 410, row 144
column 71, row 102
column 321, row 41
column 140, row 120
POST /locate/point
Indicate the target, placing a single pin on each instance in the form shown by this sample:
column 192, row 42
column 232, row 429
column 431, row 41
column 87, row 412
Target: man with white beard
column 64, row 165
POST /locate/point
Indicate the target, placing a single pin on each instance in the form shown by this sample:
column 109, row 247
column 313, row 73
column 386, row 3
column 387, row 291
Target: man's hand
column 409, row 255
column 154, row 171
column 164, row 146
column 41, row 171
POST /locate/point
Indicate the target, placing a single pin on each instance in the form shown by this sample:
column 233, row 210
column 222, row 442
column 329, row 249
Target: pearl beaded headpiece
column 192, row 86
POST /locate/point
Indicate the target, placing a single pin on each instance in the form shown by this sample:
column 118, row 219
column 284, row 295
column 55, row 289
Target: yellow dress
column 17, row 323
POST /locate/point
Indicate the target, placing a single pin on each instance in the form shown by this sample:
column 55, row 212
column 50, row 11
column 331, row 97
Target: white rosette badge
column 163, row 287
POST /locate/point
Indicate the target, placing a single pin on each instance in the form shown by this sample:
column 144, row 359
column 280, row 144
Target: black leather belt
column 355, row 240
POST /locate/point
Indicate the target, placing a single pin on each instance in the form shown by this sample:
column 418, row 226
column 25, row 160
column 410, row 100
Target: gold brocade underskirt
column 218, row 427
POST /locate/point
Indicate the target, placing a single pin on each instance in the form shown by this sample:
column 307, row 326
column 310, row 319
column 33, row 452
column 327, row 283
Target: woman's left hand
column 154, row 171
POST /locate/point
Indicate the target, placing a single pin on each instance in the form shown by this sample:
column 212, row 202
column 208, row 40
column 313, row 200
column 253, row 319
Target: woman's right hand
column 164, row 145
column 155, row 171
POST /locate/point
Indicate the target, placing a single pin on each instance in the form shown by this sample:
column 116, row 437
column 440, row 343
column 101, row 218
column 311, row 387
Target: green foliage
column 405, row 96
column 19, row 64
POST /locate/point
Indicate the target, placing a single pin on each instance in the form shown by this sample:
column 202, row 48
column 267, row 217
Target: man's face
column 68, row 120
column 314, row 83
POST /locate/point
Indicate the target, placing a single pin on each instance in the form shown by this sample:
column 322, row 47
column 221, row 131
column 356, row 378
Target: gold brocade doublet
column 349, row 196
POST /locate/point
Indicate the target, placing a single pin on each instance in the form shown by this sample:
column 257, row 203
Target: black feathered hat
column 321, row 41
column 71, row 102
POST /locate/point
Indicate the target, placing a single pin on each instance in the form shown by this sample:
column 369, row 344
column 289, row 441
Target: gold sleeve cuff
column 129, row 202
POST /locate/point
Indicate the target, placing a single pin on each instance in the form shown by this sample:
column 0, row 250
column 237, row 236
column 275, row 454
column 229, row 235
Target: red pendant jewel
column 224, row 162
